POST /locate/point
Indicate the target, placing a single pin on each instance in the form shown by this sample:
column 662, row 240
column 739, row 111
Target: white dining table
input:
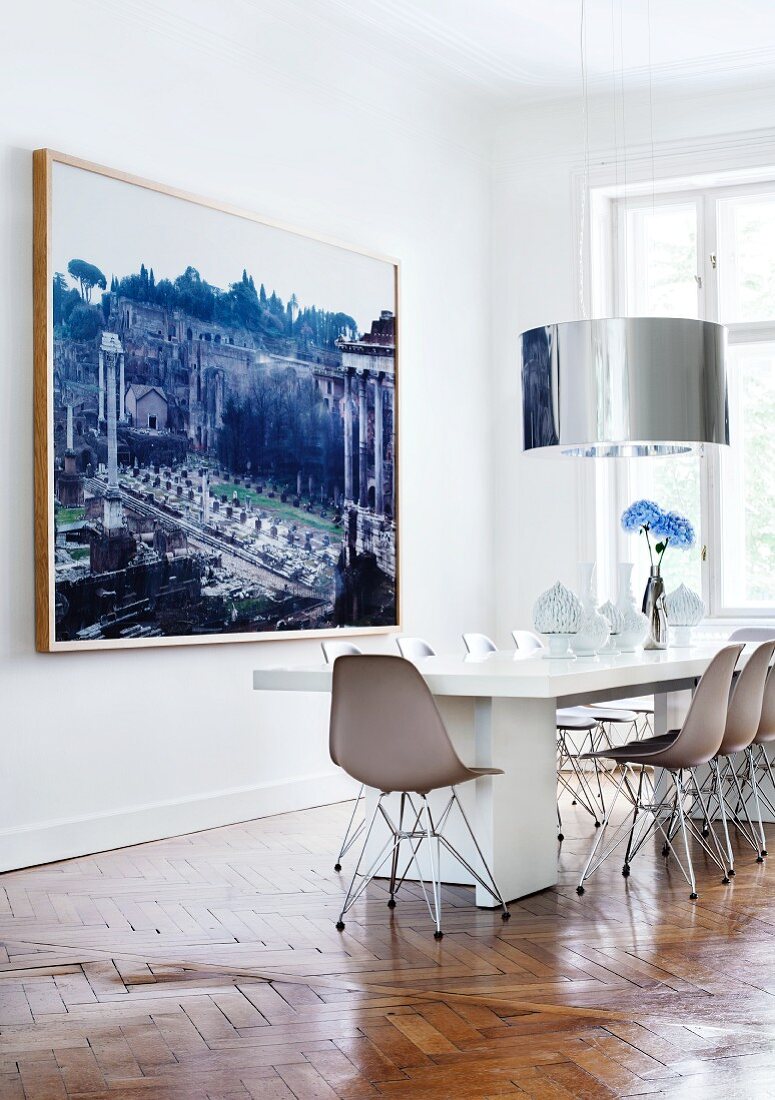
column 499, row 710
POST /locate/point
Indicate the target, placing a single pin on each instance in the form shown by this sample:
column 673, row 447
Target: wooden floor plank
column 208, row 967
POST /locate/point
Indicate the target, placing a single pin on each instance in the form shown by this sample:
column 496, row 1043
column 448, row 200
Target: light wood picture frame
column 215, row 421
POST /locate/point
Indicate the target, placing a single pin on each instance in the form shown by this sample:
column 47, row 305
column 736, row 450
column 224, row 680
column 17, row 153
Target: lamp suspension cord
column 624, row 146
column 621, row 236
column 651, row 107
column 585, row 187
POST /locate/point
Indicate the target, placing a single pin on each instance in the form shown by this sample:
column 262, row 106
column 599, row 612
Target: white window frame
column 609, row 275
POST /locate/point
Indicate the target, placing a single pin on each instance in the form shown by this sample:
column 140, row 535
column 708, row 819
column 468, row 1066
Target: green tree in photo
column 85, row 322
column 87, row 276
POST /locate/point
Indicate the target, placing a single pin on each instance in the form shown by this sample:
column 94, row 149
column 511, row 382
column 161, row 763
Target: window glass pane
column 748, row 479
column 747, row 258
column 661, row 261
column 674, row 483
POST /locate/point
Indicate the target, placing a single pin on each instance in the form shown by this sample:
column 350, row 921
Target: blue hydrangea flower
column 643, row 513
column 675, row 527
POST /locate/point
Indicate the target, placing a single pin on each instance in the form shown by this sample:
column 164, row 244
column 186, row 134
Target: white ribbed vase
column 635, row 625
column 556, row 615
column 685, row 609
column 593, row 631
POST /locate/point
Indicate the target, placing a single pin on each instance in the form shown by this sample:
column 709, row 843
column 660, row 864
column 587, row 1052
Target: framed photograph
column 216, row 428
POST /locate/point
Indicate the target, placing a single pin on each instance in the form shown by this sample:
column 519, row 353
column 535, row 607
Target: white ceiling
column 515, row 50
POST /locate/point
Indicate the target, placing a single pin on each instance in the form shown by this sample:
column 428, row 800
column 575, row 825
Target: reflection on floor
column 209, row 966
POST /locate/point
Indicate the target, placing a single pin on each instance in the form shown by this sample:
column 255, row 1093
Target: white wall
column 263, row 106
column 263, row 110
column 545, row 508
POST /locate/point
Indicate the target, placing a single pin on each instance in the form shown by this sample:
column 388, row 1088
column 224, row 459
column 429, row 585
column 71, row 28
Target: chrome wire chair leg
column 682, row 819
column 416, row 837
column 353, row 891
column 578, row 786
column 718, row 788
column 434, row 857
column 424, row 831
column 626, row 867
column 755, row 789
column 744, row 828
column 351, row 835
column 396, row 850
column 765, row 767
column 588, row 869
column 692, row 791
column 720, row 857
column 491, row 887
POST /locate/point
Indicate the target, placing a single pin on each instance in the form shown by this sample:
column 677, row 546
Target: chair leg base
column 626, row 870
column 506, row 916
column 438, row 935
column 561, row 837
column 579, row 890
column 337, row 866
column 423, row 828
column 693, row 896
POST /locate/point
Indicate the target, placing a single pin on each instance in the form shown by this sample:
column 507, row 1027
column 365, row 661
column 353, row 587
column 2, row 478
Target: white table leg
column 514, row 815
column 670, row 709
column 516, row 818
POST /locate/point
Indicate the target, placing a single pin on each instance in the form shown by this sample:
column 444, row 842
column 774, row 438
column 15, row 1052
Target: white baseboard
column 48, row 841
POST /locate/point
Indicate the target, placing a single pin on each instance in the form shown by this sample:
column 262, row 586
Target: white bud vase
column 613, row 617
column 592, row 634
column 635, row 625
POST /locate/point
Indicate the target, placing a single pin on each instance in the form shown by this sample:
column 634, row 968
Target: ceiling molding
column 410, row 28
column 400, row 26
column 151, row 17
column 740, row 149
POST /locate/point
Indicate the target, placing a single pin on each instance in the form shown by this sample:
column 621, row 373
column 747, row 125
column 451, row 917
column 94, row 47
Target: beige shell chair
column 729, row 785
column 678, row 753
column 387, row 733
column 414, row 649
column 355, row 827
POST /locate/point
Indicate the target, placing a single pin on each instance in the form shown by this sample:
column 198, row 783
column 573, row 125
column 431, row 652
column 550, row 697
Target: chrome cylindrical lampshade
column 624, row 387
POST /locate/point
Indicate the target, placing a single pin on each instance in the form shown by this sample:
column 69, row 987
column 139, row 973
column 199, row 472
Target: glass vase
column 654, row 610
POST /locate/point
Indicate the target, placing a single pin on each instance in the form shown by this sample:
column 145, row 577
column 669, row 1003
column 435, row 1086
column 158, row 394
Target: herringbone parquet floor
column 208, row 966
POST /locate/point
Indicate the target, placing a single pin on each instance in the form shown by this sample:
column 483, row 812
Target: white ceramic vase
column 613, row 616
column 556, row 615
column 685, row 609
column 593, row 631
column 557, row 645
column 635, row 625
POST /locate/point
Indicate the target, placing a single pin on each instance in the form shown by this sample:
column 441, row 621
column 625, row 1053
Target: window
column 707, row 253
